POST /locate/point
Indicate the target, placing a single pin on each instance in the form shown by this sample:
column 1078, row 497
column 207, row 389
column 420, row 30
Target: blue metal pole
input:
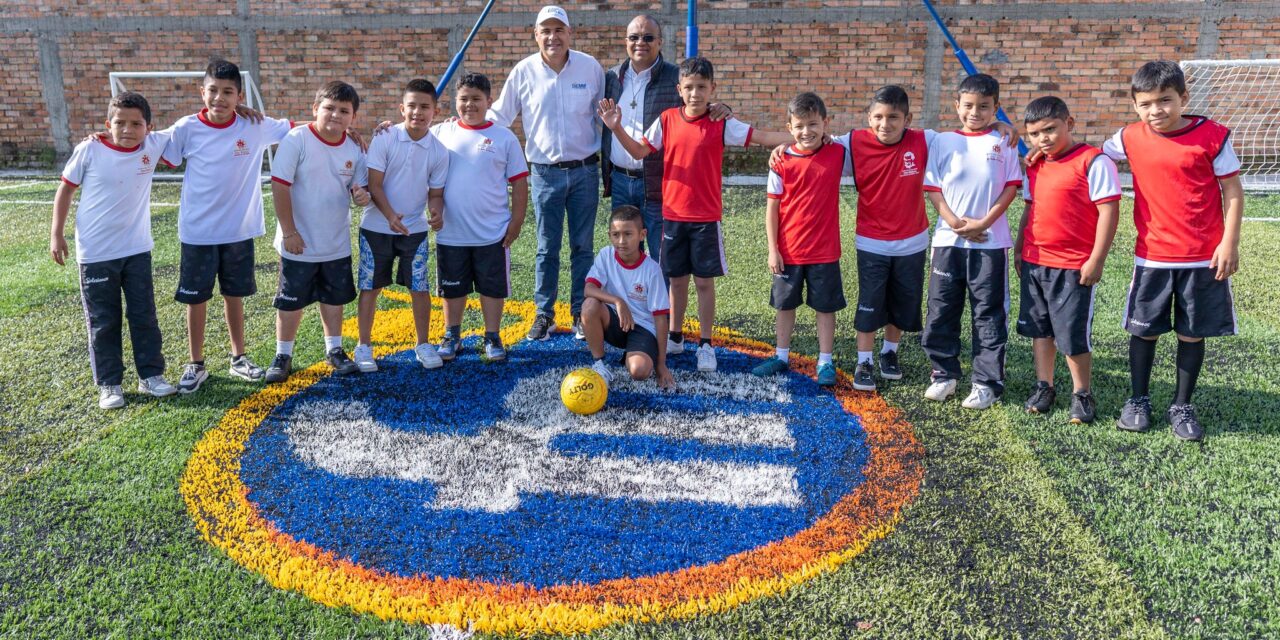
column 457, row 57
column 691, row 31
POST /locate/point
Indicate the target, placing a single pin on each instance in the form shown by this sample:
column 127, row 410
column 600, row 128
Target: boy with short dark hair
column 317, row 172
column 693, row 146
column 627, row 304
column 971, row 179
column 220, row 213
column 113, row 246
column 802, row 225
column 407, row 171
column 1073, row 202
column 1188, row 207
column 481, row 222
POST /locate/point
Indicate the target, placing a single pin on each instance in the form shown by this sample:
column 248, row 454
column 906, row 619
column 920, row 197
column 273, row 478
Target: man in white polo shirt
column 557, row 90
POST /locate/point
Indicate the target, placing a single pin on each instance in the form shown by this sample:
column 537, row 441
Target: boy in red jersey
column 1073, row 204
column 693, row 146
column 1185, row 178
column 802, row 224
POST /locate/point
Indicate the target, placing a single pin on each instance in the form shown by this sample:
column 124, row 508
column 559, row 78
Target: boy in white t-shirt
column 220, row 213
column 407, row 171
column 473, row 249
column 113, row 246
column 627, row 304
column 971, row 178
column 317, row 172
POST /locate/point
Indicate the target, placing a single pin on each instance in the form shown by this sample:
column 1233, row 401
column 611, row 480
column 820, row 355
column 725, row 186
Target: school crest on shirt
column 348, row 169
column 485, row 145
column 242, row 149
column 638, row 293
column 995, row 155
column 146, row 165
column 909, row 167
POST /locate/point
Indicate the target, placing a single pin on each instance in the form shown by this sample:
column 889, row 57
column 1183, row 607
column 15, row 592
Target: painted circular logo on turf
column 470, row 495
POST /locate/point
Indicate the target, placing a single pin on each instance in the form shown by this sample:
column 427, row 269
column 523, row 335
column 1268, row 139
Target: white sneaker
column 674, row 348
column 603, row 369
column 156, row 386
column 110, row 396
column 427, row 356
column 494, row 351
column 981, row 397
column 940, row 390
column 363, row 356
column 706, row 358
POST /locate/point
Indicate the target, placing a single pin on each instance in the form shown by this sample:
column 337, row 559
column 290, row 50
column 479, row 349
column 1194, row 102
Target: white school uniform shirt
column 971, row 170
column 113, row 219
column 634, row 86
column 640, row 284
column 410, row 169
column 320, row 176
column 482, row 162
column 559, row 109
column 221, row 192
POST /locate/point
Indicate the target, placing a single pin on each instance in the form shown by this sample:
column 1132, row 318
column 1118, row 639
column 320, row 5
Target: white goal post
column 252, row 99
column 1244, row 95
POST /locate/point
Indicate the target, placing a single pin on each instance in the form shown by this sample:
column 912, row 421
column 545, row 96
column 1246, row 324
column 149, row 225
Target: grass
column 1025, row 527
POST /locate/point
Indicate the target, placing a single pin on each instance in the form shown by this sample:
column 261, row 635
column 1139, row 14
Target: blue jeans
column 628, row 190
column 559, row 194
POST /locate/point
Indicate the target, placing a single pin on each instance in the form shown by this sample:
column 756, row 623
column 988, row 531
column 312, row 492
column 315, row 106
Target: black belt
column 630, row 173
column 573, row 164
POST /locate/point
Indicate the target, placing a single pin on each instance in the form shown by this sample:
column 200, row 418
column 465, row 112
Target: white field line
column 21, row 186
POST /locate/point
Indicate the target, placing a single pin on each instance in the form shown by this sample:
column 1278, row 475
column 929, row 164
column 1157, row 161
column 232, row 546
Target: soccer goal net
column 1245, row 96
column 172, row 94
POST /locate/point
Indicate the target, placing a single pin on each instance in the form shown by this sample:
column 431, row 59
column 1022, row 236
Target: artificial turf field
column 1024, row 526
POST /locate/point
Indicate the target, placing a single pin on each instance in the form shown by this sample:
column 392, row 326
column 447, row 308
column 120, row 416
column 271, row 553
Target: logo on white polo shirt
column 242, row 149
column 95, row 280
column 579, row 85
column 348, row 169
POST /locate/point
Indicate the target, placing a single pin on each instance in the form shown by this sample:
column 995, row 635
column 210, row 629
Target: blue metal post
column 691, row 31
column 457, row 57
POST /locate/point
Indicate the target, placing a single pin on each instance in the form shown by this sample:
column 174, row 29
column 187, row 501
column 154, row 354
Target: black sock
column 236, row 357
column 492, row 336
column 1142, row 355
column 676, row 336
column 706, row 341
column 454, row 331
column 1190, row 357
column 198, row 362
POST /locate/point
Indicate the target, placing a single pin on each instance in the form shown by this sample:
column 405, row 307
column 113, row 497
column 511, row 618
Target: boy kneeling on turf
column 626, row 303
column 802, row 224
column 113, row 246
column 316, row 173
column 1072, row 194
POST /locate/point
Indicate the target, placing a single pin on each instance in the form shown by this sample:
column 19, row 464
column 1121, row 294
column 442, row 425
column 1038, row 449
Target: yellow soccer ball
column 584, row 391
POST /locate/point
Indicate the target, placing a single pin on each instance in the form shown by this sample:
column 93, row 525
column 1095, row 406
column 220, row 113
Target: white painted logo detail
column 188, row 292
column 95, row 280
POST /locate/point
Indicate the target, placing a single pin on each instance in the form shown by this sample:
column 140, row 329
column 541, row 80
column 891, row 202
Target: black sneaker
column 1083, row 409
column 889, row 366
column 577, row 328
column 1185, row 425
column 1043, row 395
column 1135, row 415
column 863, row 377
column 342, row 365
column 280, row 368
column 542, row 327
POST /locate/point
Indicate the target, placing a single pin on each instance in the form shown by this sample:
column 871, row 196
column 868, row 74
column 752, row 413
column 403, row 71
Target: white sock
column 864, row 356
column 889, row 346
column 783, row 354
column 284, row 347
column 332, row 342
column 824, row 358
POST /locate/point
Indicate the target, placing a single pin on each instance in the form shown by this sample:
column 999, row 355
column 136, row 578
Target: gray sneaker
column 494, row 351
column 245, row 369
column 156, row 386
column 449, row 348
column 110, row 396
column 1135, row 415
column 1182, row 417
column 193, row 375
column 542, row 327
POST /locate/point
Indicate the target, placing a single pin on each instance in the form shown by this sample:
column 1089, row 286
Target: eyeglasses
column 635, row 37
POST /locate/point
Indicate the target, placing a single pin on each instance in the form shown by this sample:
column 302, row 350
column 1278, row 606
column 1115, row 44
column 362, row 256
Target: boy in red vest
column 1073, row 204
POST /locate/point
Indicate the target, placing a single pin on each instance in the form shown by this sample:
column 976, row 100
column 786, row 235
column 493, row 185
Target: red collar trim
column 468, row 127
column 113, row 147
column 705, row 114
column 974, row 134
column 1080, row 146
column 626, row 266
column 1194, row 121
column 311, row 126
column 203, row 116
column 801, row 154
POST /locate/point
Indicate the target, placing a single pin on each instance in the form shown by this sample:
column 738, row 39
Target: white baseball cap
column 552, row 12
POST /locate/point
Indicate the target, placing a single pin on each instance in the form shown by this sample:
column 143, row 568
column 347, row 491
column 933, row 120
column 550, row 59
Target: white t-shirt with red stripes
column 482, row 162
column 641, row 284
column 971, row 170
column 113, row 219
column 320, row 175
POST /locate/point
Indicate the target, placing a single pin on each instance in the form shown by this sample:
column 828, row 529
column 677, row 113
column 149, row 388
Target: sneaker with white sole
column 980, row 397
column 494, row 351
column 940, row 389
column 706, row 358
column 244, row 368
column 363, row 355
column 427, row 356
column 578, row 333
column 863, row 378
column 542, row 327
column 603, row 369
column 450, row 347
column 674, row 348
column 156, row 386
column 193, row 375
column 110, row 396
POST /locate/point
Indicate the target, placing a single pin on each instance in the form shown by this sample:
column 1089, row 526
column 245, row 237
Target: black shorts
column 1055, row 305
column 461, row 270
column 890, row 291
column 695, row 248
column 231, row 264
column 302, row 283
column 637, row 340
column 383, row 253
column 821, row 285
column 1202, row 307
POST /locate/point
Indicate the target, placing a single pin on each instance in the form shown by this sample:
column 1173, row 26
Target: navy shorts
column 1055, row 305
column 1200, row 306
column 485, row 270
column 638, row 339
column 821, row 286
column 230, row 264
column 302, row 283
column 890, row 291
column 695, row 248
column 384, row 254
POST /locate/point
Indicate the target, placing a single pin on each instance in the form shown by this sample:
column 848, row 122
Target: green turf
column 1025, row 527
